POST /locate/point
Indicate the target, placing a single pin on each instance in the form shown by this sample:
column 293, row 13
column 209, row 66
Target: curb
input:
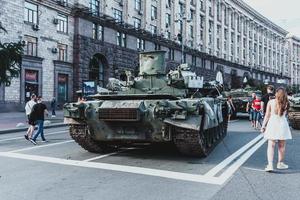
column 13, row 130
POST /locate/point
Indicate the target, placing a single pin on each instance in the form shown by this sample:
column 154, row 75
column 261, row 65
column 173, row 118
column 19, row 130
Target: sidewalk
column 17, row 121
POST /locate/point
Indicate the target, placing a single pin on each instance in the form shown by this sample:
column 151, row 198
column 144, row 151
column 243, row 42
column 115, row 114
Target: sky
column 285, row 13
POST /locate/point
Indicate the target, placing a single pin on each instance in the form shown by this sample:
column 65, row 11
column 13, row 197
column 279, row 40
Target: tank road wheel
column 294, row 119
column 82, row 137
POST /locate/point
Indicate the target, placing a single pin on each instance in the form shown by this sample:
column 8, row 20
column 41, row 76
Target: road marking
column 41, row 146
column 22, row 137
column 106, row 155
column 254, row 169
column 119, row 168
column 232, row 157
column 237, row 164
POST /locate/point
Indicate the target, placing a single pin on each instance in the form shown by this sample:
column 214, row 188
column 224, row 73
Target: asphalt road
column 62, row 170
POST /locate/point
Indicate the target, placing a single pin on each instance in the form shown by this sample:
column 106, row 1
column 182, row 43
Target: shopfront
column 31, row 83
column 62, row 88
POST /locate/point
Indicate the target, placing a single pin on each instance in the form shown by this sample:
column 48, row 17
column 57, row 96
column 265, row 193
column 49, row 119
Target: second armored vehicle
column 294, row 111
column 155, row 107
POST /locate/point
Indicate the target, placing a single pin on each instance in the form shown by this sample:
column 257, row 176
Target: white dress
column 277, row 127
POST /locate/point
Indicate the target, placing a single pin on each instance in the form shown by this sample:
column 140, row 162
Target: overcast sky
column 285, row 13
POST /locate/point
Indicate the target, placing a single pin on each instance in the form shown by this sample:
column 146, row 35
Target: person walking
column 276, row 128
column 53, row 106
column 250, row 110
column 28, row 108
column 270, row 95
column 231, row 108
column 38, row 113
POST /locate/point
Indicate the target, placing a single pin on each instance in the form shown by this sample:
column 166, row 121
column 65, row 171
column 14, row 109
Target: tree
column 10, row 60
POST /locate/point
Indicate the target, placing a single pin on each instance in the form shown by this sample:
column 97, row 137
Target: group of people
column 270, row 113
column 35, row 111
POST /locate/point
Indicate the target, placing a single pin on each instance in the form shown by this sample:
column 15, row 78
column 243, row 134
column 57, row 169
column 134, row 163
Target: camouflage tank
column 154, row 107
column 294, row 111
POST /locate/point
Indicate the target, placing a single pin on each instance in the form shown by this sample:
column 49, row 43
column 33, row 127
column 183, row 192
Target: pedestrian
column 276, row 128
column 231, row 108
column 257, row 106
column 38, row 113
column 53, row 106
column 250, row 110
column 28, row 108
column 270, row 95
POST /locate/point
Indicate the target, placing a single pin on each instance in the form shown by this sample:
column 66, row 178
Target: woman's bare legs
column 281, row 150
column 30, row 131
column 270, row 151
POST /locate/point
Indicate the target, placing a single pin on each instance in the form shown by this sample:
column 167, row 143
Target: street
column 62, row 170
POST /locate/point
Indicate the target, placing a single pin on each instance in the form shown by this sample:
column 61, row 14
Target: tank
column 294, row 111
column 153, row 108
column 240, row 98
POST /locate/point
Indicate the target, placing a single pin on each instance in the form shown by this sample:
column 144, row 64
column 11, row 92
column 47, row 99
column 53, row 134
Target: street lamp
column 182, row 18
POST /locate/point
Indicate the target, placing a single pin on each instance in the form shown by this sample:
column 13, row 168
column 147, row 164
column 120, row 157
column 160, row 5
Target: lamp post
column 182, row 18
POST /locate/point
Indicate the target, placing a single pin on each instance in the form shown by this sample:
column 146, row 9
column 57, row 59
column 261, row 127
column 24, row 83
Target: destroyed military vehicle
column 294, row 111
column 155, row 107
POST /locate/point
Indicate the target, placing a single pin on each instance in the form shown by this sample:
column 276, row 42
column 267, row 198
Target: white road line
column 119, row 168
column 41, row 146
column 232, row 157
column 254, row 169
column 236, row 165
column 22, row 137
column 106, row 155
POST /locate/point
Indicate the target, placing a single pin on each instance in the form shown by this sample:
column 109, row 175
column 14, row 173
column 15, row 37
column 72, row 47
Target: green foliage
column 10, row 60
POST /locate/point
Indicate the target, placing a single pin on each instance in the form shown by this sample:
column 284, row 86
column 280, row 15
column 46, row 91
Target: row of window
column 31, row 48
column 31, row 16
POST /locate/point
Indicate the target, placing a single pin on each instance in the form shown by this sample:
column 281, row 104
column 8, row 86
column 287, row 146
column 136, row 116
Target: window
column 137, row 23
column 140, row 44
column 118, row 15
column 62, row 52
column 181, row 8
column 98, row 32
column 94, row 7
column 171, row 54
column 192, row 14
column 153, row 29
column 121, row 39
column 153, row 12
column 30, row 46
column 168, row 20
column 210, row 11
column 202, row 5
column 202, row 21
column 194, row 59
column 138, row 5
column 30, row 14
column 168, row 3
column 62, row 25
column 192, row 31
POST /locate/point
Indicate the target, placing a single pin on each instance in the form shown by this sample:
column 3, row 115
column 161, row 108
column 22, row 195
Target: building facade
column 68, row 41
column 294, row 59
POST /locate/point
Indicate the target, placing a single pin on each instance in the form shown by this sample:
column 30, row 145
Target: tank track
column 294, row 119
column 81, row 136
column 198, row 144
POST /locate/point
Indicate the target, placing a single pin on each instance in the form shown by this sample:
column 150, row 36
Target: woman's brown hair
column 282, row 101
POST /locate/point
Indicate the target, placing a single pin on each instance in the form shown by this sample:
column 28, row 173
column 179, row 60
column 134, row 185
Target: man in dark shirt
column 270, row 95
column 37, row 113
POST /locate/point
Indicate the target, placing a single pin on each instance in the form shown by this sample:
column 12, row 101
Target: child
column 257, row 108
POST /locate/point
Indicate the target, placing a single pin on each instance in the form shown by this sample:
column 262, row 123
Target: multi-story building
column 294, row 59
column 68, row 41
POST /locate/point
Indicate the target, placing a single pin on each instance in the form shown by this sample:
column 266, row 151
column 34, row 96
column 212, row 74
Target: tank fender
column 190, row 123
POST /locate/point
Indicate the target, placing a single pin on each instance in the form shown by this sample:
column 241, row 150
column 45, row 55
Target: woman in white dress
column 276, row 128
